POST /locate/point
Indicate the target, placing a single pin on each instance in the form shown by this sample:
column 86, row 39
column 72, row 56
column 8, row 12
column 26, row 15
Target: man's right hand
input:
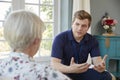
column 78, row 68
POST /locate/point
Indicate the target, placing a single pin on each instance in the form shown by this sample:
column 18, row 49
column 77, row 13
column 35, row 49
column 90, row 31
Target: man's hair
column 82, row 14
column 21, row 28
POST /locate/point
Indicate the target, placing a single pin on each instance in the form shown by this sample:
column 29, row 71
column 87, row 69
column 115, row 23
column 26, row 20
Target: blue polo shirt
column 65, row 47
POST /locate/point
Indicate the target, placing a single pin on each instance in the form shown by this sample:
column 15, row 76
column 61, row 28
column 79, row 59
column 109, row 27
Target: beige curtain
column 81, row 4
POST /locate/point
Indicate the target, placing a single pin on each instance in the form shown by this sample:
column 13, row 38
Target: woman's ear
column 36, row 41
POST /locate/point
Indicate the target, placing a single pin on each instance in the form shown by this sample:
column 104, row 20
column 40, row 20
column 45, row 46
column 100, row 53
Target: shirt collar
column 21, row 55
column 70, row 36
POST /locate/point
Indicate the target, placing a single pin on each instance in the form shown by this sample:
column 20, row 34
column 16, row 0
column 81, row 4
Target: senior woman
column 23, row 32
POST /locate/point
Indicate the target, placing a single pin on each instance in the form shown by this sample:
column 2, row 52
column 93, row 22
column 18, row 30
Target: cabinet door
column 118, row 47
column 107, row 46
column 112, row 47
column 118, row 52
column 103, row 49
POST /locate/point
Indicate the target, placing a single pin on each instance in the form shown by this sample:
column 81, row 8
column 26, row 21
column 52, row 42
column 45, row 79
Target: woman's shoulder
column 47, row 72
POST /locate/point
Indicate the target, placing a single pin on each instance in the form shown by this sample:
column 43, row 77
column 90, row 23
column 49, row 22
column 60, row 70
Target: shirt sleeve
column 57, row 47
column 95, row 51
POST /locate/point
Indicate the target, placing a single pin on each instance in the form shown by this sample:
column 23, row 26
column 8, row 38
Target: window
column 6, row 4
column 44, row 9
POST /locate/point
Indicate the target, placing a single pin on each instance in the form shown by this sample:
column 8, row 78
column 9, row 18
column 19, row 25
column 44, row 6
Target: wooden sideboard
column 110, row 45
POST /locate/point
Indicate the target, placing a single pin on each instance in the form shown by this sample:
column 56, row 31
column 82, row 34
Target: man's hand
column 101, row 66
column 78, row 68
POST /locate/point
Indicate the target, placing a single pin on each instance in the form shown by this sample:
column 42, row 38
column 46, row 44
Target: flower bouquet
column 108, row 24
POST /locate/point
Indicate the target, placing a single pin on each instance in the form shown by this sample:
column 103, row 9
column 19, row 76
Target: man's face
column 80, row 28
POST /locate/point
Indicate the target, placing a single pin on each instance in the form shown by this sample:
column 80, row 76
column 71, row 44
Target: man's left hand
column 100, row 67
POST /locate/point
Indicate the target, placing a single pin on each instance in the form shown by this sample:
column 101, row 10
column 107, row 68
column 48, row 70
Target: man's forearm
column 60, row 67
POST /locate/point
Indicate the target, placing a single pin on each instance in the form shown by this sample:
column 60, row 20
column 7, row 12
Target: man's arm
column 72, row 68
column 56, row 64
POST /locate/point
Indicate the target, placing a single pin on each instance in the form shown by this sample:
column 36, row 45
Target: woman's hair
column 82, row 14
column 21, row 28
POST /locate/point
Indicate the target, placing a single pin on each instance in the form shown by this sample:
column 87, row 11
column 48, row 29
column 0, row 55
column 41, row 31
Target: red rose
column 109, row 22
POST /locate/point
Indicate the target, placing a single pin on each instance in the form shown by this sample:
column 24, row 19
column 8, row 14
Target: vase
column 109, row 32
column 113, row 28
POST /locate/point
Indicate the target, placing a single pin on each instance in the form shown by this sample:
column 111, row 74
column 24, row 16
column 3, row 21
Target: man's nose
column 79, row 27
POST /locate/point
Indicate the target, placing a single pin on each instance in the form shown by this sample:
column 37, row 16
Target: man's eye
column 77, row 24
column 84, row 26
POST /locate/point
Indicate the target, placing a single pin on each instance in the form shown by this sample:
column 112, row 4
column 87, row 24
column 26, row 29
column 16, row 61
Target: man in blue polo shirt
column 71, row 48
